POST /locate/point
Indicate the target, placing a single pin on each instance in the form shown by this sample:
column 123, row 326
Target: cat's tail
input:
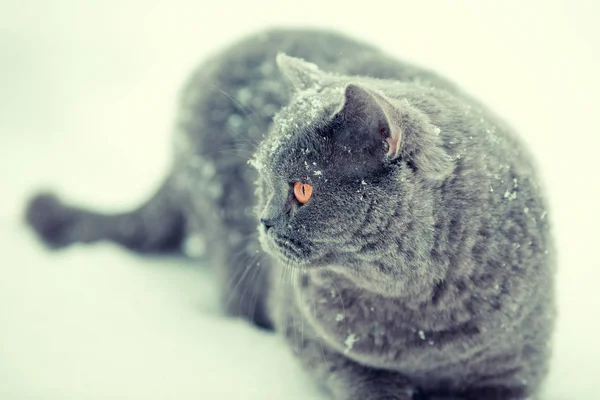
column 156, row 226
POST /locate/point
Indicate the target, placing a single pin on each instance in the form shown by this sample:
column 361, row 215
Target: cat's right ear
column 300, row 74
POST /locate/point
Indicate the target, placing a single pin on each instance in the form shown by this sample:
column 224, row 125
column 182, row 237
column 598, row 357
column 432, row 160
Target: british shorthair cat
column 391, row 228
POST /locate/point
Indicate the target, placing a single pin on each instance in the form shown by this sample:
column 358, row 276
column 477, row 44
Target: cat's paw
column 390, row 397
column 50, row 219
column 407, row 394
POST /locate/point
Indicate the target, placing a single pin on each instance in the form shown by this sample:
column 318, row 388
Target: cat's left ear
column 375, row 115
column 300, row 74
column 401, row 129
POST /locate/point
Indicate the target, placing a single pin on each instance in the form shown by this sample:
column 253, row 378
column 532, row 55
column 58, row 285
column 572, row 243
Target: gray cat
column 389, row 226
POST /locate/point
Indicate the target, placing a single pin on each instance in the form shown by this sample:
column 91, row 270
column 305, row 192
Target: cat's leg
column 344, row 378
column 347, row 380
column 510, row 375
column 367, row 384
column 497, row 393
column 156, row 226
column 507, row 387
column 490, row 393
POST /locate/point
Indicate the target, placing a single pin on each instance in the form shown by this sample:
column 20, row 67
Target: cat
column 392, row 229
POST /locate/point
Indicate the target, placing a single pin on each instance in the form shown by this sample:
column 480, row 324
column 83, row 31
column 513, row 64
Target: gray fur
column 422, row 266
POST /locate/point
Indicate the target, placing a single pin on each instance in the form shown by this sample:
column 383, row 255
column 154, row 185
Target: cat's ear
column 300, row 74
column 378, row 118
column 403, row 131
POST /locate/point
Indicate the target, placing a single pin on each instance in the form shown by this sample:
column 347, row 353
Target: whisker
column 255, row 290
column 251, row 260
column 240, row 274
column 242, row 108
column 290, row 278
column 260, row 268
column 301, row 314
column 255, row 270
column 233, row 149
column 282, row 283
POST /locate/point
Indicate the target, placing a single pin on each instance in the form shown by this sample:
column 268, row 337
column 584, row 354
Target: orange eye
column 302, row 191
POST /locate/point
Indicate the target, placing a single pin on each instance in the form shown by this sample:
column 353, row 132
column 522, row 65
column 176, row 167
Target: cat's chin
column 292, row 255
column 290, row 260
column 314, row 263
column 282, row 251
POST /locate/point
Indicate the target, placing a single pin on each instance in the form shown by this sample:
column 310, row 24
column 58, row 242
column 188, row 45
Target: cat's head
column 347, row 176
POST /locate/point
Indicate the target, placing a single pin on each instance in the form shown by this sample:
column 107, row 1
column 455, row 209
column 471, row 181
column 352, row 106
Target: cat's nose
column 267, row 224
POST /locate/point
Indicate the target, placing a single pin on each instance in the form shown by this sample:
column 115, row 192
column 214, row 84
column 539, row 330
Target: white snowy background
column 87, row 100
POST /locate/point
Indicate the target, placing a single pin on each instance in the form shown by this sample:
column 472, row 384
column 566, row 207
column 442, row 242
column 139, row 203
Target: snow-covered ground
column 87, row 99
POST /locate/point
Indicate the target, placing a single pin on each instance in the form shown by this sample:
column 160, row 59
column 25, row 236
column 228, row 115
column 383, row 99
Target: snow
column 87, row 107
column 349, row 342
